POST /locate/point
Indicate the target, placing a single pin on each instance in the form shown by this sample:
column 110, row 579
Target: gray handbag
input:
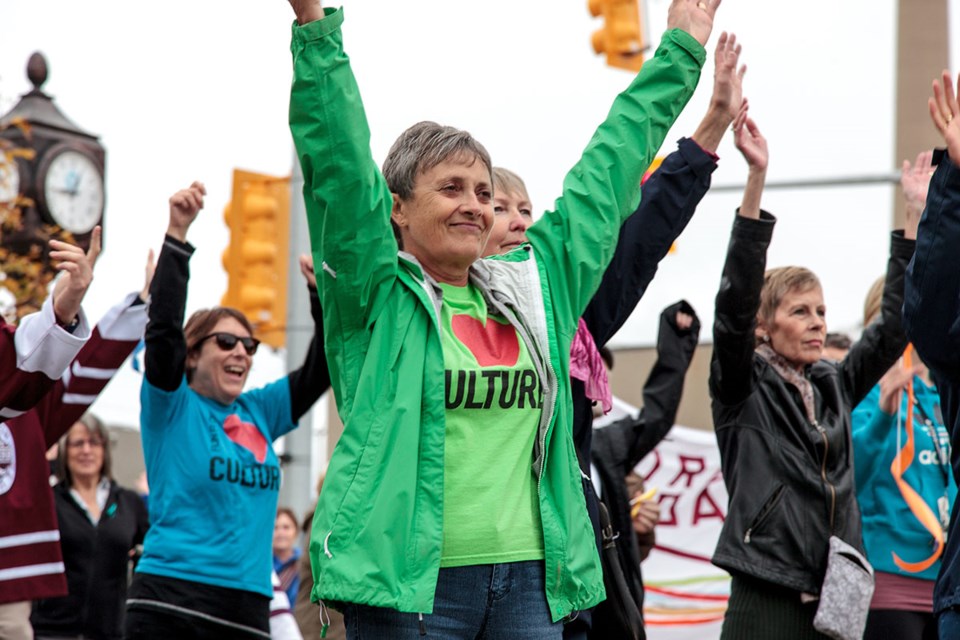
column 846, row 593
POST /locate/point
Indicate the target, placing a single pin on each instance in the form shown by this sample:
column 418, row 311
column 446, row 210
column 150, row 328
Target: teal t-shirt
column 214, row 482
column 889, row 526
column 491, row 510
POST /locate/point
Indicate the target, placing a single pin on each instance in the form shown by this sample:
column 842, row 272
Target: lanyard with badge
column 934, row 523
column 943, row 460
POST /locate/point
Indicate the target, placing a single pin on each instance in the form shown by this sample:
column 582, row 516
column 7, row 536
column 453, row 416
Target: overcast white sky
column 183, row 90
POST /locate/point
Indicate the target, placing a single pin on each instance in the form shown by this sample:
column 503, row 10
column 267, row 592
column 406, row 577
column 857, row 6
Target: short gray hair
column 422, row 147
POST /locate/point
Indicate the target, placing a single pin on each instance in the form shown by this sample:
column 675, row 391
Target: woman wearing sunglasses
column 214, row 477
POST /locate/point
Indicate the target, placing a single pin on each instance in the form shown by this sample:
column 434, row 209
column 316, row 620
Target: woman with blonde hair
column 782, row 419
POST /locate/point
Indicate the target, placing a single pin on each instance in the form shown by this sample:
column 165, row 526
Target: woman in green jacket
column 455, row 490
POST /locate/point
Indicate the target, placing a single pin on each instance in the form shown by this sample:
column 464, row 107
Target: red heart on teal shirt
column 246, row 435
column 491, row 344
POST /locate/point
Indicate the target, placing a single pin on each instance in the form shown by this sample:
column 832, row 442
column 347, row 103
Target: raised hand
column 148, row 272
column 945, row 113
column 693, row 16
column 684, row 320
column 915, row 181
column 307, row 10
column 727, row 94
column 749, row 141
column 77, row 274
column 184, row 207
column 727, row 78
column 753, row 147
column 306, row 268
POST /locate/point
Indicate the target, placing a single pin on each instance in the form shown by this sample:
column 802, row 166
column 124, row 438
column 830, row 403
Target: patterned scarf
column 791, row 375
column 587, row 365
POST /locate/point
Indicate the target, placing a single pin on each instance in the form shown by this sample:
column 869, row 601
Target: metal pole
column 297, row 486
column 842, row 181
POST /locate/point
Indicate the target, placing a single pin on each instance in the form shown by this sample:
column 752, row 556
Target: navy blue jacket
column 668, row 200
column 931, row 316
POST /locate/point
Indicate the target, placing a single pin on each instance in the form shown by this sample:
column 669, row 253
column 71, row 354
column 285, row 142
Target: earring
column 766, row 338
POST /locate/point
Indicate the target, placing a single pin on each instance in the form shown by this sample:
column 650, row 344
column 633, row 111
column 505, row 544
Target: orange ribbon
column 920, row 509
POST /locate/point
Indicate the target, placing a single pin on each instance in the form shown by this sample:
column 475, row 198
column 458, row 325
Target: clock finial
column 37, row 70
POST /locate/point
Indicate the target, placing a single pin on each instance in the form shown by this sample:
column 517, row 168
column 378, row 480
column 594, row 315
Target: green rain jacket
column 378, row 529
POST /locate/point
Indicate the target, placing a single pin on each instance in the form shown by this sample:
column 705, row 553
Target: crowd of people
column 474, row 493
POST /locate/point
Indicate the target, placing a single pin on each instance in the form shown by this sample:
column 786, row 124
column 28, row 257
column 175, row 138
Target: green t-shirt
column 491, row 512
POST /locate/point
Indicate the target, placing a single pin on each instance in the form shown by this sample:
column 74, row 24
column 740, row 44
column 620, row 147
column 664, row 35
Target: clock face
column 9, row 180
column 73, row 191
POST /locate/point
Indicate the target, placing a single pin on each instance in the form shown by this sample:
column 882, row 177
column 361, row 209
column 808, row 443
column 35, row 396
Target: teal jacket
column 378, row 529
column 888, row 524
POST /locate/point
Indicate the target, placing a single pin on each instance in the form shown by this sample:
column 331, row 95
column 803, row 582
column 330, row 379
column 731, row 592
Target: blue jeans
column 948, row 623
column 482, row 602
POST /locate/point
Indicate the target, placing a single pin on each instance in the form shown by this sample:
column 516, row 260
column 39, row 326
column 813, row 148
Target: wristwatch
column 71, row 326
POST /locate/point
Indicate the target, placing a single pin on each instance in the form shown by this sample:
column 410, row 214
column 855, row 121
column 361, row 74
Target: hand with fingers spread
column 727, row 94
column 915, row 181
column 184, row 207
column 727, row 77
column 693, row 16
column 77, row 274
column 945, row 113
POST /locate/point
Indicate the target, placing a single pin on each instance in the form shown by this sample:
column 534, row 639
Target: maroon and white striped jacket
column 31, row 565
column 33, row 356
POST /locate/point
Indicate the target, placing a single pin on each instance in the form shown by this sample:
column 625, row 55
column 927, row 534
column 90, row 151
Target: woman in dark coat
column 782, row 418
column 101, row 524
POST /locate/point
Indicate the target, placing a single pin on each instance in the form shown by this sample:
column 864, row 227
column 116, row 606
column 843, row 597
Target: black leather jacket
column 790, row 481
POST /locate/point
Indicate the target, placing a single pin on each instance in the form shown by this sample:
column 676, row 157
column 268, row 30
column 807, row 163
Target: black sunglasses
column 227, row 341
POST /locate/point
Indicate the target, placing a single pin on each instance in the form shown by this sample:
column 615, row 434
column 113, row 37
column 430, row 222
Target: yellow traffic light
column 256, row 259
column 652, row 168
column 621, row 37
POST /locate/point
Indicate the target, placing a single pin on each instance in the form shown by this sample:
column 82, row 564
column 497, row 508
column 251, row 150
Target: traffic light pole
column 298, row 481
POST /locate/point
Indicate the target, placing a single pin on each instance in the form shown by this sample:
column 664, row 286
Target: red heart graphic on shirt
column 493, row 344
column 246, row 435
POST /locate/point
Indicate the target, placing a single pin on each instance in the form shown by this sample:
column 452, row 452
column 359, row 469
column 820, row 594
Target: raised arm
column 753, row 146
column 915, row 182
column 347, row 200
column 627, row 441
column 77, row 269
column 578, row 238
column 114, row 338
column 676, row 344
column 668, row 201
column 884, row 340
column 932, row 300
column 35, row 354
column 166, row 349
column 737, row 302
column 309, row 382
